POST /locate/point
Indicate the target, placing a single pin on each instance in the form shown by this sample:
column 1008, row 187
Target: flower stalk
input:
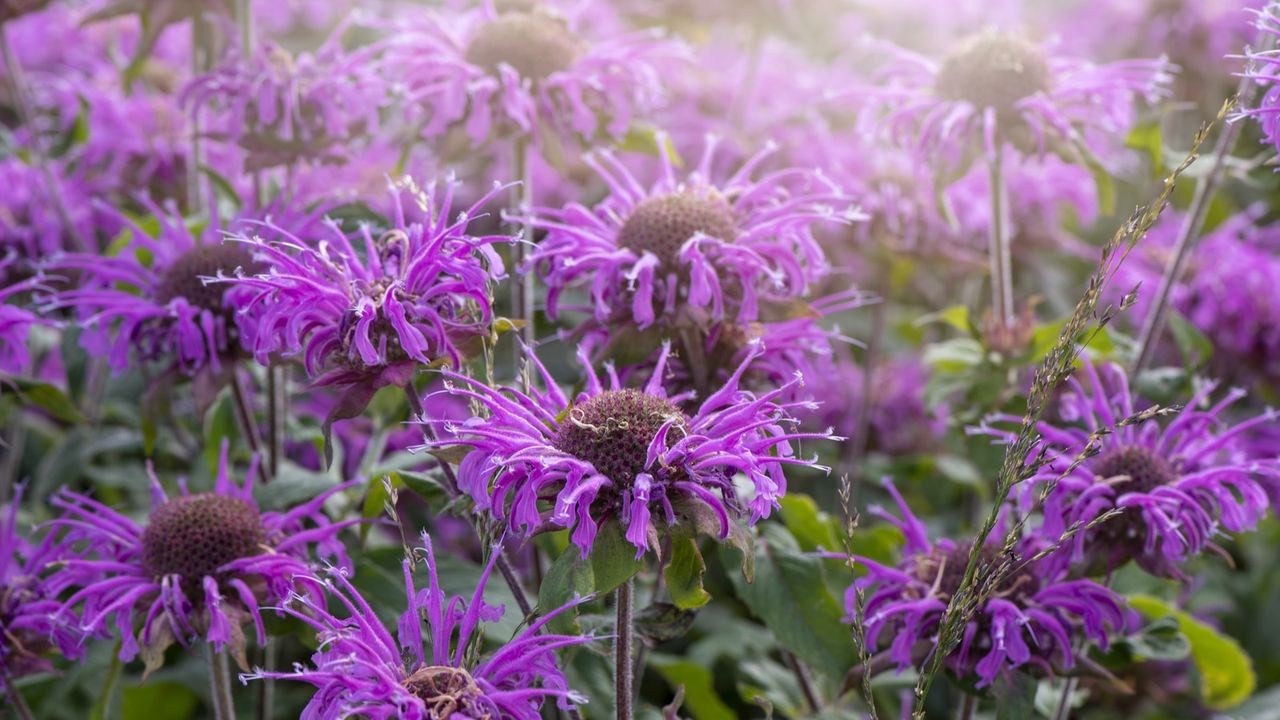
column 999, row 251
column 220, row 685
column 624, row 679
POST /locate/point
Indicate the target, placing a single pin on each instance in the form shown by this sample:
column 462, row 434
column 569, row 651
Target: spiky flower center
column 943, row 571
column 1142, row 469
column 446, row 691
column 182, row 278
column 994, row 69
column 614, row 429
column 663, row 223
column 195, row 535
column 535, row 45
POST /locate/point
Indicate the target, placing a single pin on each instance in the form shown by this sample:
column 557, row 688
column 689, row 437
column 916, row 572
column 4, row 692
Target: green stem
column 244, row 409
column 624, row 679
column 18, row 702
column 1000, row 255
column 220, row 685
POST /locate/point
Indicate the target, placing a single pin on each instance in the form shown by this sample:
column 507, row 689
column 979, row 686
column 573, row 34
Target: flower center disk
column 193, row 536
column 182, row 279
column 943, row 570
column 662, row 224
column 535, row 45
column 993, row 70
column 614, row 429
column 445, row 691
column 1145, row 470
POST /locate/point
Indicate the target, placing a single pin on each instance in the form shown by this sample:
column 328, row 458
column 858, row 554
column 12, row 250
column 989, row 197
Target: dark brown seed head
column 613, row 430
column 534, row 44
column 661, row 224
column 994, row 69
column 195, row 535
column 182, row 278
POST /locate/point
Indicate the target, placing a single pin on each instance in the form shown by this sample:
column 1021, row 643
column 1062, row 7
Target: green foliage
column 1226, row 672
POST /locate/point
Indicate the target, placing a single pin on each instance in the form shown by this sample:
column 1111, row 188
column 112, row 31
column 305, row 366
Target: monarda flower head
column 362, row 669
column 1263, row 67
column 28, row 600
column 539, row 460
column 154, row 299
column 1033, row 619
column 199, row 568
column 496, row 70
column 998, row 87
column 412, row 295
column 1177, row 486
column 689, row 250
column 16, row 321
column 283, row 109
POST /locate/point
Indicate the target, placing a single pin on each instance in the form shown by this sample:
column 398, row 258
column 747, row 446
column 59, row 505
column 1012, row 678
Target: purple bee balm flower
column 153, row 299
column 688, row 250
column 361, row 669
column 28, row 601
column 30, row 222
column 16, row 321
column 281, row 109
column 526, row 70
column 621, row 453
column 200, row 567
column 1035, row 619
column 998, row 88
column 899, row 423
column 1178, row 486
column 414, row 294
column 1230, row 290
column 1263, row 67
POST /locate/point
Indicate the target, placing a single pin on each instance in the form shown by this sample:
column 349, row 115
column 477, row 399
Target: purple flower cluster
column 362, row 669
column 201, row 567
column 1030, row 619
column 624, row 454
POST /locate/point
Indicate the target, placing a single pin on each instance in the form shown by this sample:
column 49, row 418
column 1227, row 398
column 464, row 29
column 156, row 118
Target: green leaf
column 812, row 528
column 791, row 597
column 1195, row 347
column 46, row 396
column 1147, row 138
column 643, row 138
column 159, row 701
column 612, row 562
column 1160, row 640
column 77, row 134
column 219, row 425
column 377, row 500
column 954, row 355
column 957, row 316
column 1226, row 671
column 700, row 696
column 684, row 574
column 663, row 622
column 1015, row 694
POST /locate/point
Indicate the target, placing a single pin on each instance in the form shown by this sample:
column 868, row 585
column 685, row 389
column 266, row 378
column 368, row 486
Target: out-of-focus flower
column 1178, row 485
column 998, row 87
column 492, row 72
column 1034, row 619
column 28, row 601
column 1230, row 290
column 899, row 422
column 362, row 670
column 627, row 454
column 200, row 568
column 152, row 300
column 689, row 250
column 281, row 109
column 16, row 321
column 30, row 223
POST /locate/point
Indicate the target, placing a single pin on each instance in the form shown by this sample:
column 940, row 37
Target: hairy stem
column 220, row 685
column 522, row 286
column 624, row 680
column 267, row 689
column 1063, row 711
column 244, row 410
column 277, row 411
column 1000, row 256
column 804, row 681
column 968, row 706
column 19, row 703
column 26, row 111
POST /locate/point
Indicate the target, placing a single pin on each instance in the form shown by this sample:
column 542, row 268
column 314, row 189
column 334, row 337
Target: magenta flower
column 998, row 88
column 16, row 321
column 28, row 600
column 281, row 109
column 1179, row 486
column 1035, row 618
column 900, row 422
column 361, row 669
column 1263, row 67
column 200, row 567
column 153, row 299
column 1230, row 290
column 528, row 71
column 689, row 250
column 539, row 460
column 416, row 293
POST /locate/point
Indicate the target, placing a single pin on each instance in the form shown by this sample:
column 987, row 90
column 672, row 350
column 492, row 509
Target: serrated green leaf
column 43, row 395
column 700, row 696
column 1226, row 671
column 684, row 574
column 1160, row 640
column 812, row 528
